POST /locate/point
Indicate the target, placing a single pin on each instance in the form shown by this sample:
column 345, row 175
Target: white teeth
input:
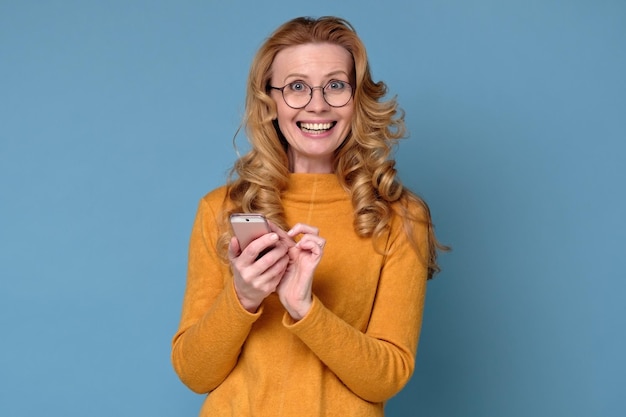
column 316, row 126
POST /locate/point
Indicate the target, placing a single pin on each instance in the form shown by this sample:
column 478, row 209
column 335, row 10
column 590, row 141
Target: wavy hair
column 362, row 163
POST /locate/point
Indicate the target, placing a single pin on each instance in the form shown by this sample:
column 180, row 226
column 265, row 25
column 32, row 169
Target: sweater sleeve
column 377, row 363
column 213, row 325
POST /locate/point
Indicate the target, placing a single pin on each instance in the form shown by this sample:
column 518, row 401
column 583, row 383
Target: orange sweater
column 353, row 350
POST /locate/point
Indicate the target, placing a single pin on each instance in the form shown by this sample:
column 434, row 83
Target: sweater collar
column 314, row 188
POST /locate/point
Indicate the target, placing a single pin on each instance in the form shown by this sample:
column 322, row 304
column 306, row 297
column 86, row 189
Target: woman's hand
column 257, row 277
column 294, row 289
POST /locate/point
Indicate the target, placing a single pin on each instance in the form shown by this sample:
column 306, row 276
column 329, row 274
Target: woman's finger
column 312, row 243
column 233, row 248
column 283, row 236
column 259, row 246
column 301, row 228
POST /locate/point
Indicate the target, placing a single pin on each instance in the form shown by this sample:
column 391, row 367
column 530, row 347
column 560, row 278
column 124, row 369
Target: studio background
column 116, row 117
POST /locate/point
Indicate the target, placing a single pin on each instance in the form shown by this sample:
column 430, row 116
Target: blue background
column 117, row 116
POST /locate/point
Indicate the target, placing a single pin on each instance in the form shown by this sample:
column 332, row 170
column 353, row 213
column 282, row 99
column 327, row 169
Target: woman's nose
column 318, row 101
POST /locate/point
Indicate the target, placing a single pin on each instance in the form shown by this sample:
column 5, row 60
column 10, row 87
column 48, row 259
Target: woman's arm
column 213, row 325
column 377, row 363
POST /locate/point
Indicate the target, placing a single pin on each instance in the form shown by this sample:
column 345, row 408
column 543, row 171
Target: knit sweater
column 353, row 350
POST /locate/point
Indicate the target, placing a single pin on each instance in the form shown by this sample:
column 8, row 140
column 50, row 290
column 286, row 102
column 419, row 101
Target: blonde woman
column 326, row 322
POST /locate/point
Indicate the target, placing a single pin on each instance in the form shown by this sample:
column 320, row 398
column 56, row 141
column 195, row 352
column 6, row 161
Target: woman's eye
column 297, row 86
column 336, row 85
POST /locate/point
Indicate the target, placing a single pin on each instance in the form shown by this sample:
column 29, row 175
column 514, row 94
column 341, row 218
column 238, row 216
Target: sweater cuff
column 234, row 304
column 307, row 321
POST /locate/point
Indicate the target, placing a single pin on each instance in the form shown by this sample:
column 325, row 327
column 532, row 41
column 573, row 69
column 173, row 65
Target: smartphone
column 248, row 226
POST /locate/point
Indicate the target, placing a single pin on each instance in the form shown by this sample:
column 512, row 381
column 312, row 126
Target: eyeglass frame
column 282, row 93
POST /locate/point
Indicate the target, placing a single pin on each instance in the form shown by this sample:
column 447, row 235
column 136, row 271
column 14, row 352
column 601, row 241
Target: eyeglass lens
column 299, row 95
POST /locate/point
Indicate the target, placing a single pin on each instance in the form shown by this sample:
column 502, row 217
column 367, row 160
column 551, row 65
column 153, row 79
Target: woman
column 328, row 325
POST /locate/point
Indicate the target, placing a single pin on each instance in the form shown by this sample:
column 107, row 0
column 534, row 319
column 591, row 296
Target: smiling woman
column 312, row 127
column 321, row 315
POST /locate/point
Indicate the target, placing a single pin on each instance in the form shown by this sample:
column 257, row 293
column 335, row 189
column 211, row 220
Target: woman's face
column 315, row 131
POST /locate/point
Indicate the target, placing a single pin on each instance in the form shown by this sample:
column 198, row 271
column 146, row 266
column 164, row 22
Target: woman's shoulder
column 411, row 206
column 216, row 198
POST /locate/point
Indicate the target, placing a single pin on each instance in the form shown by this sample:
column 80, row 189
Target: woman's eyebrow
column 304, row 76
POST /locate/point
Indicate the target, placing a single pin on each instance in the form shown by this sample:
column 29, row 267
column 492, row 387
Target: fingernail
column 274, row 236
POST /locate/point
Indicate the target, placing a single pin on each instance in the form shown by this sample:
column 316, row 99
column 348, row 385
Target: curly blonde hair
column 362, row 163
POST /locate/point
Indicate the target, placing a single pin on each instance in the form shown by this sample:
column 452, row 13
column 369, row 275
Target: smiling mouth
column 316, row 128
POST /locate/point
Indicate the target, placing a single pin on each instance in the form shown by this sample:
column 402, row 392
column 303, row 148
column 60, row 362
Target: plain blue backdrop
column 117, row 116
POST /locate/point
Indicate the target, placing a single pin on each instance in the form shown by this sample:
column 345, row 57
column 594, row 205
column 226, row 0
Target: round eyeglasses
column 299, row 94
